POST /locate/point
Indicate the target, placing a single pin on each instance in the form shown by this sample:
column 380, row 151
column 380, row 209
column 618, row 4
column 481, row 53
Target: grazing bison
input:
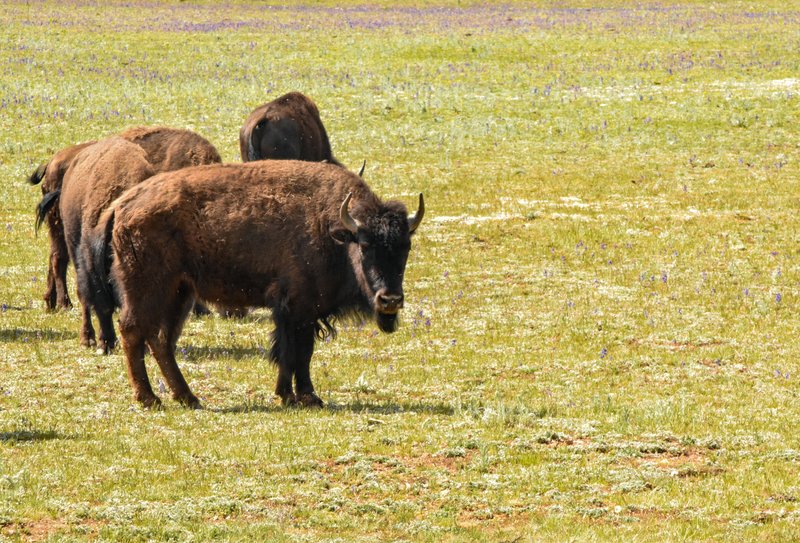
column 289, row 127
column 50, row 175
column 99, row 174
column 309, row 240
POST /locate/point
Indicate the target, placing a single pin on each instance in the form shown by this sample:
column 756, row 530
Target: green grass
column 600, row 341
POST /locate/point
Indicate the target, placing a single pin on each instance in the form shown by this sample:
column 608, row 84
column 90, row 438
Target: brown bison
column 166, row 149
column 99, row 174
column 51, row 174
column 289, row 127
column 309, row 240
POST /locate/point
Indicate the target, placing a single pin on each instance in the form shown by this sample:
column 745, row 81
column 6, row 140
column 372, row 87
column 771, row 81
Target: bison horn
column 361, row 171
column 344, row 214
column 414, row 220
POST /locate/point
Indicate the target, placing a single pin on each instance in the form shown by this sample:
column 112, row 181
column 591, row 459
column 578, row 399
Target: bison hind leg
column 133, row 344
column 162, row 345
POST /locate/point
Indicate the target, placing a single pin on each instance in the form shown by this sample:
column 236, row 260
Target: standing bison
column 99, row 174
column 309, row 240
column 166, row 149
column 51, row 175
column 289, row 127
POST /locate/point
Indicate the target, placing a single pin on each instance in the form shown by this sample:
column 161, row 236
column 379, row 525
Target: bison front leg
column 292, row 347
column 282, row 353
column 304, row 349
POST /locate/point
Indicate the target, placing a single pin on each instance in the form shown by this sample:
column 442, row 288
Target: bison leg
column 304, row 348
column 50, row 293
column 56, row 295
column 108, row 339
column 163, row 344
column 164, row 354
column 282, row 353
column 133, row 345
column 292, row 347
column 59, row 260
column 88, row 338
column 87, row 330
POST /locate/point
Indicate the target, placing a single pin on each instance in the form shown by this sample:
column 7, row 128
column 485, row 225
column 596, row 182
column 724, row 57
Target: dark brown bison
column 289, row 127
column 99, row 174
column 309, row 240
column 51, row 174
column 166, row 149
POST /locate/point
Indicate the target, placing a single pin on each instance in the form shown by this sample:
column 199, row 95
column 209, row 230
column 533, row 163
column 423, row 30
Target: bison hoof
column 189, row 400
column 105, row 348
column 288, row 400
column 309, row 399
column 65, row 304
column 88, row 342
column 150, row 402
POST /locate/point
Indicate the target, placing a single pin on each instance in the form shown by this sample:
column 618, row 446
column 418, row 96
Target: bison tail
column 43, row 208
column 37, row 176
column 99, row 261
column 324, row 329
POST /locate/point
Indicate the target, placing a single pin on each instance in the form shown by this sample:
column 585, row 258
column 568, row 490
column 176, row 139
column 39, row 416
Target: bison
column 99, row 174
column 166, row 149
column 51, row 174
column 289, row 127
column 309, row 240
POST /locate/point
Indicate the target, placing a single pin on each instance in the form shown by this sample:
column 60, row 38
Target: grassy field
column 600, row 341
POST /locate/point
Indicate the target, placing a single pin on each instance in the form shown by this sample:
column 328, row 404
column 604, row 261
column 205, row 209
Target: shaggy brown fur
column 166, row 149
column 51, row 174
column 98, row 175
column 270, row 234
column 169, row 149
column 286, row 128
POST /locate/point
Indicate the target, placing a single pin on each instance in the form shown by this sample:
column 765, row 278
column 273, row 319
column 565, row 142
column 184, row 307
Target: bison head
column 378, row 253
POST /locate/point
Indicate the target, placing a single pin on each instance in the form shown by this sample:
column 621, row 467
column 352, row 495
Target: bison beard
column 277, row 234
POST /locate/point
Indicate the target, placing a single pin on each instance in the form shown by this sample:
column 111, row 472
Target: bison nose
column 389, row 303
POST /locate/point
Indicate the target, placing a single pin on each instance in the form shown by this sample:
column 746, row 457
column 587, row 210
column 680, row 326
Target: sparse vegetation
column 600, row 335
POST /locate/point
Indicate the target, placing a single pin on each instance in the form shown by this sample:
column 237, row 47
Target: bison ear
column 341, row 235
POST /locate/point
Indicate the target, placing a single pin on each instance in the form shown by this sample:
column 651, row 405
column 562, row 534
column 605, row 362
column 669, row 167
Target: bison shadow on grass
column 14, row 335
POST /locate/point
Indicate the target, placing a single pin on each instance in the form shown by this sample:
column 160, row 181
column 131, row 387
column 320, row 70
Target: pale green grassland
column 600, row 341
